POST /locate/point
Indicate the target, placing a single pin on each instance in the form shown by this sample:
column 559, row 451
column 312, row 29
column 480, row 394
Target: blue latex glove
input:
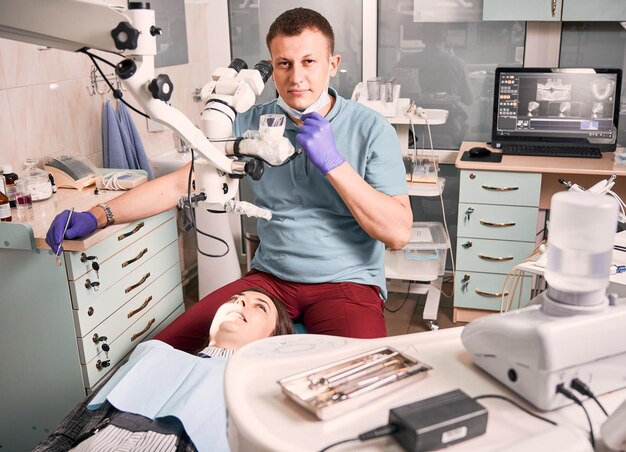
column 317, row 139
column 81, row 224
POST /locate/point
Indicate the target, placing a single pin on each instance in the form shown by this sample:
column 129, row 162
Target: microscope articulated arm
column 80, row 24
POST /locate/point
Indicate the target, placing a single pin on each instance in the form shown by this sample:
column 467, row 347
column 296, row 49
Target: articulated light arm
column 78, row 24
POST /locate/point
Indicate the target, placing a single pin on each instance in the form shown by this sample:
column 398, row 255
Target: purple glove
column 317, row 139
column 81, row 224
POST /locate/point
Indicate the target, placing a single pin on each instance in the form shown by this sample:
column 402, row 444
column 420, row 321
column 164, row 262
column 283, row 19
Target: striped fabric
column 113, row 438
column 215, row 352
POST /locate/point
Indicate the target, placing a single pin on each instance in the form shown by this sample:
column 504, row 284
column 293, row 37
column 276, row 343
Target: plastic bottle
column 10, row 177
column 5, row 207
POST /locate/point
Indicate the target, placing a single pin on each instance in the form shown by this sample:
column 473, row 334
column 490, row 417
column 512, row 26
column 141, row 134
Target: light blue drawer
column 140, row 330
column 490, row 256
column 78, row 265
column 125, row 261
column 497, row 222
column 111, row 327
column 597, row 10
column 118, row 294
column 528, row 10
column 484, row 290
column 500, row 187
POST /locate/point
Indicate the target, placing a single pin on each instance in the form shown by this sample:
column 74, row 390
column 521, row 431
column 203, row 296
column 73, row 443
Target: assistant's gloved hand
column 317, row 139
column 81, row 224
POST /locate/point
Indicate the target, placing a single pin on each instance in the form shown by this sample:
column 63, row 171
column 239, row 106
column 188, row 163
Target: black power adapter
column 438, row 422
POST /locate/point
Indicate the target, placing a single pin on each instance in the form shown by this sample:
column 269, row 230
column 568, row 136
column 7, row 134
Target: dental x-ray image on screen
column 569, row 107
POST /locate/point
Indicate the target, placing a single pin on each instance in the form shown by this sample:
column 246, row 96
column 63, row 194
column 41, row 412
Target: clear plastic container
column 423, row 258
column 38, row 181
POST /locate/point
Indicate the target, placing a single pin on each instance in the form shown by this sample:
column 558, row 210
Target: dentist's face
column 302, row 66
column 244, row 318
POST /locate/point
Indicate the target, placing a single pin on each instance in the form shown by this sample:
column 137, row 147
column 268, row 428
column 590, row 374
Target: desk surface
column 560, row 165
column 41, row 215
column 261, row 418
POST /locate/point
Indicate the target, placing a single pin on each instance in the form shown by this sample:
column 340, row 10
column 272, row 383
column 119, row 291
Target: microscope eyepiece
column 238, row 64
column 265, row 69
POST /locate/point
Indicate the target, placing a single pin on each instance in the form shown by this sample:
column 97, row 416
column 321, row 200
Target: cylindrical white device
column 581, row 235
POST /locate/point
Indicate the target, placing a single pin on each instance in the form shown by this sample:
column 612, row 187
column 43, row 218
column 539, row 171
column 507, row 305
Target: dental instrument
column 58, row 251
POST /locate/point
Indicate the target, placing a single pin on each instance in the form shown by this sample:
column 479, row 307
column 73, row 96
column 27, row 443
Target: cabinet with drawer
column 64, row 328
column 496, row 230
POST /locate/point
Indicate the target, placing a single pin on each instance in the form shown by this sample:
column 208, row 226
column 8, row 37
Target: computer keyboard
column 551, row 151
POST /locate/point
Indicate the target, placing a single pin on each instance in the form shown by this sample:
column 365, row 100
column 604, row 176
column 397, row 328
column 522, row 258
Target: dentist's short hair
column 295, row 21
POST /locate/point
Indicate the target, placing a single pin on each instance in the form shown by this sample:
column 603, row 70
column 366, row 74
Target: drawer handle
column 144, row 331
column 491, row 258
column 496, row 225
column 135, row 259
column 492, row 188
column 145, row 303
column 134, row 286
column 128, row 234
column 492, row 294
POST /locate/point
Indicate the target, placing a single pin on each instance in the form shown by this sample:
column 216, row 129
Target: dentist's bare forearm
column 146, row 200
column 383, row 217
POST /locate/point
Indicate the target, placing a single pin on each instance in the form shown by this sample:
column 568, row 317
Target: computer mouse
column 479, row 152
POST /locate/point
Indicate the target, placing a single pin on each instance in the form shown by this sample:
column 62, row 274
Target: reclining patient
column 163, row 399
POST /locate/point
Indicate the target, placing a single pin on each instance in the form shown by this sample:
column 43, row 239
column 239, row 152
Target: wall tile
column 197, row 31
column 27, row 64
column 9, row 149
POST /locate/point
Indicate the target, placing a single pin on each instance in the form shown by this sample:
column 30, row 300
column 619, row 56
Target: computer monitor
column 569, row 107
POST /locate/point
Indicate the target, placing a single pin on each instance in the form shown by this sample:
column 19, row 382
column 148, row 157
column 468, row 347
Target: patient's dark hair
column 295, row 21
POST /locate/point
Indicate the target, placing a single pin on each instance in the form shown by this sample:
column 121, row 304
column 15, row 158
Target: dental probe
column 67, row 223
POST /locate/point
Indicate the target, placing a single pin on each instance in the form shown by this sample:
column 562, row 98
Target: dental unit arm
column 77, row 25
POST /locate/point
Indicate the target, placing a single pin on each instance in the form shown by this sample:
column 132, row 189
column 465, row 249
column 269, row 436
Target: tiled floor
column 402, row 314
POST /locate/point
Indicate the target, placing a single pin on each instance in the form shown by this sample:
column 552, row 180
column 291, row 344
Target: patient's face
column 246, row 317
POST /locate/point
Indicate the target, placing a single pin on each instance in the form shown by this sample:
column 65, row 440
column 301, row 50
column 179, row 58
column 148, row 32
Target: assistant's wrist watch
column 109, row 214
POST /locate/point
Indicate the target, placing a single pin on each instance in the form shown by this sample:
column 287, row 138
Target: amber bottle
column 5, row 207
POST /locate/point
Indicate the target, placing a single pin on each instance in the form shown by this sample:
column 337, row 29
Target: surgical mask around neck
column 223, row 314
column 321, row 102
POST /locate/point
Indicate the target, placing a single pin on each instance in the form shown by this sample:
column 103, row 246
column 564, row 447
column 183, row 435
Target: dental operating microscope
column 130, row 36
column 232, row 90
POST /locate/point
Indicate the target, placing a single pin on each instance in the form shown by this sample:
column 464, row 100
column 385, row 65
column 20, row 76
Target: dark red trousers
column 337, row 309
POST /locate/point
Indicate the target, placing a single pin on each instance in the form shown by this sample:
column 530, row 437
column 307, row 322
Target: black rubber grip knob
column 254, row 168
column 161, row 87
column 125, row 36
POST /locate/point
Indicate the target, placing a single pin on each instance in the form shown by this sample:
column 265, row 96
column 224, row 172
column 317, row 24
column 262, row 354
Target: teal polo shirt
column 312, row 236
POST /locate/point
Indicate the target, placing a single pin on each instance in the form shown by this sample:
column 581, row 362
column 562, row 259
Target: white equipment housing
column 531, row 352
column 575, row 330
